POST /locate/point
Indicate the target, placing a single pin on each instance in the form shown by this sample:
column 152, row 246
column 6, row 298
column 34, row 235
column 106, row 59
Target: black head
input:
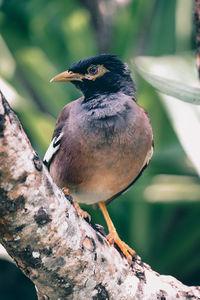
column 101, row 74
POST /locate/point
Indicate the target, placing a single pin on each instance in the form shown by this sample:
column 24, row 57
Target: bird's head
column 101, row 74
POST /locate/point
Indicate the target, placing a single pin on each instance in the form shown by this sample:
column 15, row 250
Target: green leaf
column 174, row 76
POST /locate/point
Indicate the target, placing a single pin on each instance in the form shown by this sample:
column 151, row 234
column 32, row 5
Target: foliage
column 159, row 216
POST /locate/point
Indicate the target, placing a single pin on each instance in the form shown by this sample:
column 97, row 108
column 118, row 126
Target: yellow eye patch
column 95, row 71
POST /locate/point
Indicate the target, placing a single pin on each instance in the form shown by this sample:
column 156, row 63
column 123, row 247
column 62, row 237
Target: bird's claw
column 65, row 191
column 113, row 238
column 80, row 212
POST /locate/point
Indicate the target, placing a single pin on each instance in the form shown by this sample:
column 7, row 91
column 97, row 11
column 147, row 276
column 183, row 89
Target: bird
column 102, row 141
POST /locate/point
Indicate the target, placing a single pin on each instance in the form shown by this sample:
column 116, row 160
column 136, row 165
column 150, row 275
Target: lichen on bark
column 64, row 256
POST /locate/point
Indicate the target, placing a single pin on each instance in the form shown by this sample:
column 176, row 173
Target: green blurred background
column 159, row 216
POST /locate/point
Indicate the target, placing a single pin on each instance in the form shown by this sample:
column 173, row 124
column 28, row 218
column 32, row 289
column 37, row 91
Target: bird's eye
column 93, row 70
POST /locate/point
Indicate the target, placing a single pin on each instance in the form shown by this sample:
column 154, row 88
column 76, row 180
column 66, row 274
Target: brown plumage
column 103, row 141
column 96, row 163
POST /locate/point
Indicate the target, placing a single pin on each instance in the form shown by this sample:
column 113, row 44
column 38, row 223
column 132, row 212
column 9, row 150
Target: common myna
column 102, row 141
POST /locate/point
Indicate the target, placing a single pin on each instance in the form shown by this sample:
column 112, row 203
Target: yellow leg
column 80, row 211
column 113, row 237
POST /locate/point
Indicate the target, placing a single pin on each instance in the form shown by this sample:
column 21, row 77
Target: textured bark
column 197, row 24
column 61, row 253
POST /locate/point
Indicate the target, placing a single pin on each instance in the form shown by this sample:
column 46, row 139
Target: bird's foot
column 113, row 238
column 80, row 212
column 67, row 195
column 66, row 191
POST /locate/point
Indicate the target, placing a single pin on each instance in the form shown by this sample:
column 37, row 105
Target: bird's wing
column 57, row 135
column 53, row 149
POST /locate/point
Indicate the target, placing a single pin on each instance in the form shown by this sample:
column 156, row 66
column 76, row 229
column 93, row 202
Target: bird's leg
column 80, row 211
column 113, row 236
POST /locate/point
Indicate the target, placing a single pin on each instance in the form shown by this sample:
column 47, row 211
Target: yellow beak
column 67, row 76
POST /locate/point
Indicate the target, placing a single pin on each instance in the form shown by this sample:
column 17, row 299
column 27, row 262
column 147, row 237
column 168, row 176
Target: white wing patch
column 53, row 148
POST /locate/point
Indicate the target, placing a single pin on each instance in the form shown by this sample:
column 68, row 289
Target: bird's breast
column 102, row 155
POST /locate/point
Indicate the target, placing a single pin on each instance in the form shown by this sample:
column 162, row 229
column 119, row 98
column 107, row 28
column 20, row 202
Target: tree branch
column 101, row 12
column 61, row 253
